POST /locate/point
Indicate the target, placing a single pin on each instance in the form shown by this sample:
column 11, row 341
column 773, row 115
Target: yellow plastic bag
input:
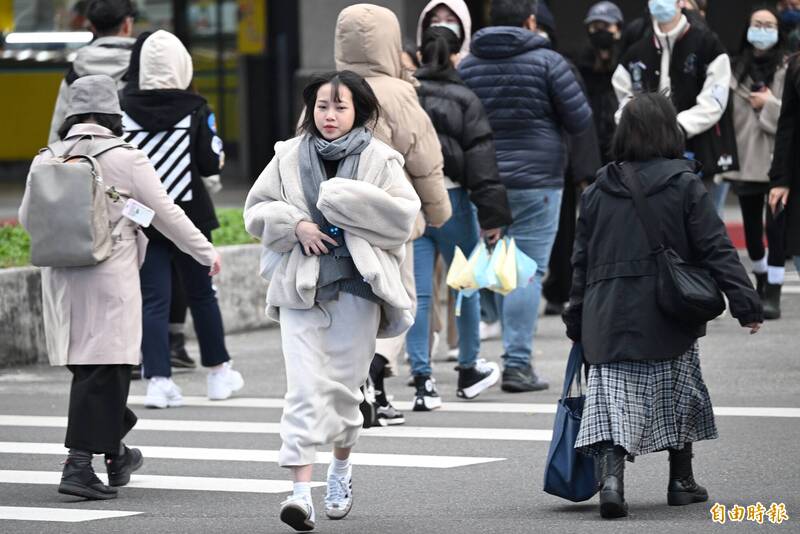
column 506, row 270
column 460, row 275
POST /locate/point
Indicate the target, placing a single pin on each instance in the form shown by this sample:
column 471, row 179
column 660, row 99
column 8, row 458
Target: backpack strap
column 101, row 147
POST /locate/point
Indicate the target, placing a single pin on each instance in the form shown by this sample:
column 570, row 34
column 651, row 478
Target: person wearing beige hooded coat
column 368, row 42
column 93, row 315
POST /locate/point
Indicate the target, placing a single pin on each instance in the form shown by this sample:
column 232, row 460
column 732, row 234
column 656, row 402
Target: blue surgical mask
column 454, row 27
column 790, row 17
column 663, row 10
column 762, row 38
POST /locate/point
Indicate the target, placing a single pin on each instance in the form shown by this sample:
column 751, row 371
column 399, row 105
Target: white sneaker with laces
column 162, row 392
column 297, row 511
column 224, row 382
column 339, row 498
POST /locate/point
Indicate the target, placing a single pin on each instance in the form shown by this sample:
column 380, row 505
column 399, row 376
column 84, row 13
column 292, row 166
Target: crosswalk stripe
column 269, row 456
column 232, row 485
column 235, row 427
column 468, row 407
column 60, row 515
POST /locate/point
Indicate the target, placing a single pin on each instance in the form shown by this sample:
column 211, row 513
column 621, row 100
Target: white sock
column 775, row 275
column 760, row 266
column 339, row 467
column 302, row 489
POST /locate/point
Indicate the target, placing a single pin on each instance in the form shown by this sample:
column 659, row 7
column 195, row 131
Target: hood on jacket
column 497, row 42
column 655, row 175
column 368, row 41
column 105, row 55
column 160, row 109
column 459, row 7
column 164, row 63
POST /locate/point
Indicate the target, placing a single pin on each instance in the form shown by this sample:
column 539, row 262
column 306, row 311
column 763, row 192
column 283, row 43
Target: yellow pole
column 6, row 16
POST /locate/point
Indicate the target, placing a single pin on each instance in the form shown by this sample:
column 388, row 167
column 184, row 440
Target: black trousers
column 557, row 285
column 178, row 305
column 753, row 208
column 99, row 417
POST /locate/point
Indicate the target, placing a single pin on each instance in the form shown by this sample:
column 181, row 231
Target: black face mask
column 602, row 39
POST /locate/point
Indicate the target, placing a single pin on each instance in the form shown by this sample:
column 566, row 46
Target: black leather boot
column 79, row 479
column 612, row 486
column 120, row 467
column 177, row 352
column 683, row 489
column 761, row 283
column 772, row 301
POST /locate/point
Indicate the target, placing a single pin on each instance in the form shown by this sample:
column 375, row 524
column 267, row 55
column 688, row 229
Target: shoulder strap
column 573, row 373
column 101, row 147
column 651, row 226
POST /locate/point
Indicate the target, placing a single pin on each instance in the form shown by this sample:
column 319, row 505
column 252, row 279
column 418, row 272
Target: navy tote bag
column 568, row 473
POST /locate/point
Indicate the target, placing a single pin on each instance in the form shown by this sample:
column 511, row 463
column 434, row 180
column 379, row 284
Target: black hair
column 107, row 16
column 648, row 129
column 512, row 12
column 365, row 102
column 411, row 49
column 111, row 121
column 438, row 43
column 769, row 62
column 426, row 23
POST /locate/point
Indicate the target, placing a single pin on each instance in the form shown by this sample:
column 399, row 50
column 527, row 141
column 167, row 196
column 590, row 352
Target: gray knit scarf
column 346, row 150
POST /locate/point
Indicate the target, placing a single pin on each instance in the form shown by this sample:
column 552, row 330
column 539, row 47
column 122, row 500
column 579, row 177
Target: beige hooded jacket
column 368, row 43
column 459, row 7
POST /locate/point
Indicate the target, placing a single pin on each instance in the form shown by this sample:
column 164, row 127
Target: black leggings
column 753, row 218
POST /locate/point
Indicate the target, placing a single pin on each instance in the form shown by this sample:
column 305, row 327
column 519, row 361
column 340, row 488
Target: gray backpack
column 68, row 216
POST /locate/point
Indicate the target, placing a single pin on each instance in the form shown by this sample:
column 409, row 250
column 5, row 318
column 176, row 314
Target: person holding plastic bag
column 645, row 391
column 471, row 179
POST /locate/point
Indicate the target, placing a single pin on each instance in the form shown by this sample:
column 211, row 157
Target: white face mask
column 454, row 27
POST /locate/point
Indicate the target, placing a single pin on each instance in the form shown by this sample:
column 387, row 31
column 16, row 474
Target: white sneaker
column 297, row 511
column 223, row 383
column 490, row 330
column 162, row 392
column 339, row 498
column 452, row 354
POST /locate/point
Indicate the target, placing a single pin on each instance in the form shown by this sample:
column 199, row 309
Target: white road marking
column 253, row 455
column 472, row 407
column 228, row 427
column 60, row 515
column 235, row 485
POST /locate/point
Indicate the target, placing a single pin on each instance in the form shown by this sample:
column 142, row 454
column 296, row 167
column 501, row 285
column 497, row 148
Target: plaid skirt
column 646, row 406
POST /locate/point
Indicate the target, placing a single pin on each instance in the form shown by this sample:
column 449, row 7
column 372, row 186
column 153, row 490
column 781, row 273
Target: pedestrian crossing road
column 472, row 467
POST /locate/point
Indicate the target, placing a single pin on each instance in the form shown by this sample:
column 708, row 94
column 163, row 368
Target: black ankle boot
column 177, row 352
column 772, row 301
column 683, row 489
column 120, row 467
column 761, row 283
column 79, row 479
column 612, row 485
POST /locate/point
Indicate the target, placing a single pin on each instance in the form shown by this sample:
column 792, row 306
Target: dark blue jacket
column 531, row 96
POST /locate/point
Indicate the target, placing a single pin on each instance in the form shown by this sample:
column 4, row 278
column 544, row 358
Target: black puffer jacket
column 612, row 309
column 467, row 145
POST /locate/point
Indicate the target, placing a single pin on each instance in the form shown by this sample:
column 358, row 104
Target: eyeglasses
column 764, row 25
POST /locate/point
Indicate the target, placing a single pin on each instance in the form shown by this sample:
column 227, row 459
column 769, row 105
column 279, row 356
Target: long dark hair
column 364, row 100
column 771, row 60
column 107, row 120
column 648, row 129
column 438, row 43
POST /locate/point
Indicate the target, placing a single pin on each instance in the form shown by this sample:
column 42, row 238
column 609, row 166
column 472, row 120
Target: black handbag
column 685, row 292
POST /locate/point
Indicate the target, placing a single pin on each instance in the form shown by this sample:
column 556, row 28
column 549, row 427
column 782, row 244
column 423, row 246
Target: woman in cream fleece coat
column 333, row 210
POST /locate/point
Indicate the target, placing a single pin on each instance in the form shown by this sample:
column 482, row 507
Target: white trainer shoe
column 490, row 330
column 339, row 498
column 224, row 382
column 162, row 392
column 297, row 511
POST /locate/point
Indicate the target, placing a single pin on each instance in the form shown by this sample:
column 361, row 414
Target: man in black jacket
column 686, row 61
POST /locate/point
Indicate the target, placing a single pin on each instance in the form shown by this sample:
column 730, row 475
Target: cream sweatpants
column 327, row 350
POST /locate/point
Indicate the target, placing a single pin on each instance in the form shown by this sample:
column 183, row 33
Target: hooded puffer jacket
column 105, row 55
column 467, row 145
column 613, row 309
column 173, row 125
column 368, row 43
column 462, row 12
column 531, row 96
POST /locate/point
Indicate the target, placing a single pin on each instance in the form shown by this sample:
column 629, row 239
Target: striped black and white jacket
column 177, row 131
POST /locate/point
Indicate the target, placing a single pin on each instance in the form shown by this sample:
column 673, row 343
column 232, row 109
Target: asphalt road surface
column 472, row 467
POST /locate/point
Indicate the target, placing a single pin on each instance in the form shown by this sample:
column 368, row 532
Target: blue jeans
column 156, row 284
column 460, row 231
column 535, row 213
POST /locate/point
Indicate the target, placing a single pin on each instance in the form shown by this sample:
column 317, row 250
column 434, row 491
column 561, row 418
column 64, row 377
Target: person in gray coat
column 109, row 53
